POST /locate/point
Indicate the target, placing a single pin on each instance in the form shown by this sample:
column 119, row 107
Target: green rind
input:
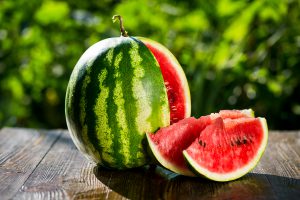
column 108, row 115
column 178, row 69
column 163, row 162
column 234, row 175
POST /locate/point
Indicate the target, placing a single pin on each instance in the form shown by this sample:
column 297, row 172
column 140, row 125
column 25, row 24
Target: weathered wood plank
column 282, row 155
column 64, row 173
column 21, row 150
column 281, row 164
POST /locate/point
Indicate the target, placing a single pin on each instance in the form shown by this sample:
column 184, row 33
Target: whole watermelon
column 120, row 89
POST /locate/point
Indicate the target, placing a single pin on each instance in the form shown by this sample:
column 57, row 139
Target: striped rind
column 115, row 94
column 222, row 177
column 179, row 71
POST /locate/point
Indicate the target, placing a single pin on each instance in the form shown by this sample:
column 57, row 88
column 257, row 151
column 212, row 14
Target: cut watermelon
column 175, row 81
column 228, row 149
column 168, row 143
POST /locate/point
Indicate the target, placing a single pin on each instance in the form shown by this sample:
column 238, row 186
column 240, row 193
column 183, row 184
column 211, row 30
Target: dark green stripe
column 75, row 100
column 92, row 92
column 110, row 82
column 130, row 106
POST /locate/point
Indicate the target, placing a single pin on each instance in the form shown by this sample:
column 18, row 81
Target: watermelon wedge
column 228, row 148
column 167, row 144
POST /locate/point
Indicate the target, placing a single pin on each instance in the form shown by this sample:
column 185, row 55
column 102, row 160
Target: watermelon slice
column 168, row 143
column 228, row 148
column 175, row 80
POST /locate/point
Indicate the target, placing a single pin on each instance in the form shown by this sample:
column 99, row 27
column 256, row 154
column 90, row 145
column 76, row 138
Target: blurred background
column 236, row 54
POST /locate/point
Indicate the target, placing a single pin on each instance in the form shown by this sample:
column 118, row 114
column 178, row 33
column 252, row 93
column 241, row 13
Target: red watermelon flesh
column 168, row 143
column 175, row 81
column 228, row 149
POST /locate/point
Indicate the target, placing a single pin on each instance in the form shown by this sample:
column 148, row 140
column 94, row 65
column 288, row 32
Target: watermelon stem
column 122, row 29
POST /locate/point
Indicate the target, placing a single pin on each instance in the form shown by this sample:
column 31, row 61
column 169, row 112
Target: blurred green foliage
column 236, row 54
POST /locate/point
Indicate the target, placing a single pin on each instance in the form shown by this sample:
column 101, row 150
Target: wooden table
column 44, row 164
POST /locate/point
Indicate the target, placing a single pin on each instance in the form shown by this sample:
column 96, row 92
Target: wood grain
column 61, row 172
column 281, row 164
column 21, row 150
column 64, row 174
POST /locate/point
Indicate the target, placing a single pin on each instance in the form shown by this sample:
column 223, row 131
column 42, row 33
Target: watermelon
column 167, row 144
column 118, row 91
column 228, row 148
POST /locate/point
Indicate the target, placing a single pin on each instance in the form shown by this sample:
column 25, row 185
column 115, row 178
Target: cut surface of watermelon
column 228, row 149
column 233, row 114
column 168, row 143
column 175, row 80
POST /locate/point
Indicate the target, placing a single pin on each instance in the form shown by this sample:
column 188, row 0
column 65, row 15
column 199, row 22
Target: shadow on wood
column 158, row 183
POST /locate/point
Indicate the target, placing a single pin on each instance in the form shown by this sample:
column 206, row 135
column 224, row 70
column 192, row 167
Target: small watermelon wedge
column 167, row 144
column 228, row 148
